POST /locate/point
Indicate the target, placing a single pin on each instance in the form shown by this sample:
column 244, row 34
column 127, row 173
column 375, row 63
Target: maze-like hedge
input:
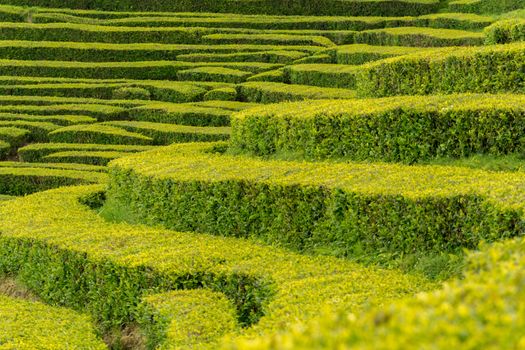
column 254, row 174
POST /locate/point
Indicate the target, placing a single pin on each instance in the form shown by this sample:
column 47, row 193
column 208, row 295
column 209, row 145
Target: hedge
column 220, row 74
column 492, row 69
column 152, row 70
column 276, row 76
column 165, row 134
column 5, row 149
column 357, row 23
column 482, row 310
column 226, row 105
column 98, row 133
column 288, row 7
column 486, row 6
column 14, row 136
column 507, row 31
column 266, row 39
column 37, row 151
column 19, row 181
column 325, row 75
column 269, row 288
column 270, row 92
column 162, row 91
column 36, row 101
column 26, row 323
column 419, row 37
column 183, row 114
column 38, row 131
column 63, row 120
column 345, row 209
column 223, row 94
column 62, row 166
column 187, row 318
column 407, row 129
column 284, row 57
column 84, row 157
column 363, row 53
column 98, row 111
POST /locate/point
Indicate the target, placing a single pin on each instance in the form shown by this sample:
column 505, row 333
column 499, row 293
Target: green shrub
column 486, row 6
column 325, row 75
column 38, row 131
column 269, row 92
column 482, row 69
column 362, row 211
column 14, row 136
column 84, row 157
column 63, row 166
column 267, row 39
column 506, row 31
column 165, row 134
column 131, row 93
column 36, row 152
column 63, row 120
column 5, row 149
column 224, row 94
column 407, row 129
column 420, row 37
column 276, row 76
column 285, row 57
column 363, row 53
column 26, row 323
column 220, row 74
column 183, row 114
column 98, row 133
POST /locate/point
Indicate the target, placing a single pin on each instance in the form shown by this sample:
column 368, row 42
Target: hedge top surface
column 194, row 163
column 301, row 284
column 29, row 325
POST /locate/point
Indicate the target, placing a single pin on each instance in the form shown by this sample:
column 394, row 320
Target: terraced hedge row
column 272, row 286
column 338, row 209
column 407, row 129
column 287, row 7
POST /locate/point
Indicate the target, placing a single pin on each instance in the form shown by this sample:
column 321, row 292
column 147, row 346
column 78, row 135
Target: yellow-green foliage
column 92, row 109
column 505, row 31
column 79, row 167
column 327, row 75
column 220, row 74
column 407, row 129
column 363, row 53
column 26, row 325
column 222, row 94
column 84, row 157
column 187, row 318
column 270, row 92
column 15, row 136
column 54, row 119
column 491, row 69
column 38, row 131
column 285, row 57
column 331, row 208
column 122, row 263
column 35, row 152
column 267, row 39
column 484, row 310
column 5, row 149
column 422, row 37
column 19, row 181
column 98, row 133
column 164, row 134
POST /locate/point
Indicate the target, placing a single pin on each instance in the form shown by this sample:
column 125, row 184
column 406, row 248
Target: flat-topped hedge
column 269, row 288
column 101, row 158
column 98, row 133
column 23, row 324
column 496, row 68
column 280, row 7
column 407, row 129
column 271, row 92
column 335, row 208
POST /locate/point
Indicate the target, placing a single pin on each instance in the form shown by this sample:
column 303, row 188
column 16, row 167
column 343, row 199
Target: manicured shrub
column 223, row 94
column 220, row 74
column 131, row 93
column 270, row 92
column 98, row 133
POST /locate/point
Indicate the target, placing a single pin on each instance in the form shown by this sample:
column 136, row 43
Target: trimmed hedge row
column 482, row 310
column 363, row 53
column 284, row 57
column 152, row 70
column 223, row 94
column 270, row 92
column 325, row 75
column 38, row 131
column 407, row 129
column 100, row 52
column 219, row 74
column 419, row 37
column 266, row 39
column 122, row 264
column 492, row 69
column 349, row 210
column 187, row 318
column 62, row 166
column 165, row 134
column 439, row 20
column 5, row 149
column 26, row 323
column 504, row 32
column 37, row 151
column 182, row 114
column 98, row 111
column 98, row 134
column 63, row 120
column 280, row 7
column 19, row 181
column 486, row 6
column 101, row 158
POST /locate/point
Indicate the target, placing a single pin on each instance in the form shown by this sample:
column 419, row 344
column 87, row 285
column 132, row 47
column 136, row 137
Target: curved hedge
column 498, row 68
column 112, row 267
column 24, row 324
column 503, row 32
column 339, row 209
column 407, row 129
